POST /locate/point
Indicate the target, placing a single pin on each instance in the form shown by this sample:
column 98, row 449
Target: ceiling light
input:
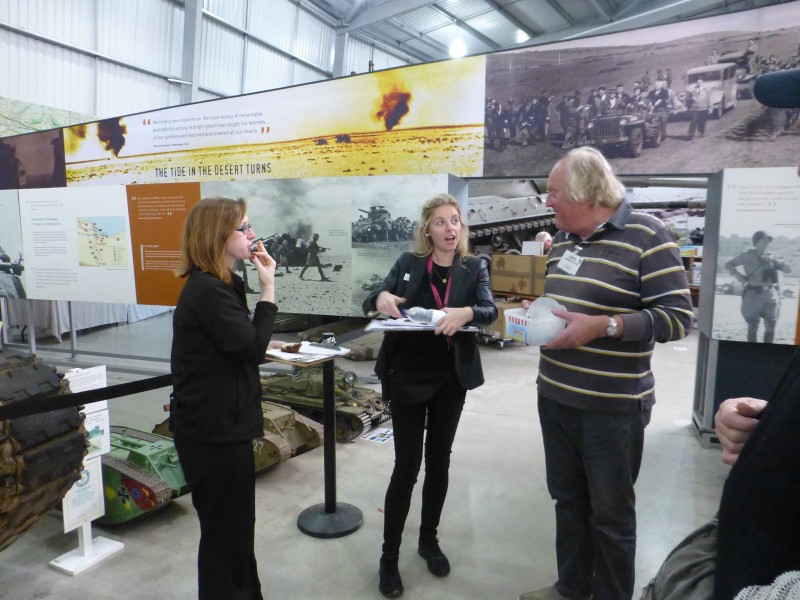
column 458, row 48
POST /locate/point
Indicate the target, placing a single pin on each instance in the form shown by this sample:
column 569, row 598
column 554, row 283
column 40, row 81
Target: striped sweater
column 631, row 267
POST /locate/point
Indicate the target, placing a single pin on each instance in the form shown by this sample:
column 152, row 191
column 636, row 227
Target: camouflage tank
column 141, row 474
column 504, row 215
column 41, row 455
column 286, row 434
column 357, row 408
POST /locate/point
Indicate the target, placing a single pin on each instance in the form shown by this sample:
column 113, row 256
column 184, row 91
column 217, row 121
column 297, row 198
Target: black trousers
column 442, row 411
column 222, row 480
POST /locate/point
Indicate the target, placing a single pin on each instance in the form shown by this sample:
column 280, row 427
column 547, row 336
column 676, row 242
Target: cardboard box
column 498, row 328
column 520, row 275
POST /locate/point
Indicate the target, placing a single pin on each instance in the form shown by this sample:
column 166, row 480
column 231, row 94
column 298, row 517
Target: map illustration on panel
column 102, row 242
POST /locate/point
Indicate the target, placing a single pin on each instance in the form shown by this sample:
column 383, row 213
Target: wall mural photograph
column 680, row 103
column 758, row 258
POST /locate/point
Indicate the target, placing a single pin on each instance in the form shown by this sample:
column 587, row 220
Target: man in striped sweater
column 620, row 276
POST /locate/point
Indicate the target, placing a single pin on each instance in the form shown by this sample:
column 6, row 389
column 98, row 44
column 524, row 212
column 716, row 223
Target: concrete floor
column 498, row 524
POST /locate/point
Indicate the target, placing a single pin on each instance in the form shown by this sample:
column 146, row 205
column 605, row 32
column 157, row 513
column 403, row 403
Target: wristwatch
column 612, row 329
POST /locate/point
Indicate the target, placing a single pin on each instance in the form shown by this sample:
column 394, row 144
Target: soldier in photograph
column 757, row 269
column 314, row 250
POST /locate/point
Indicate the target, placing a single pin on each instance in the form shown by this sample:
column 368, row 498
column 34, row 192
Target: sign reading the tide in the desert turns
column 422, row 119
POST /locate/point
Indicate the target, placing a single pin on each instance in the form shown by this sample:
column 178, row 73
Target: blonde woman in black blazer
column 425, row 375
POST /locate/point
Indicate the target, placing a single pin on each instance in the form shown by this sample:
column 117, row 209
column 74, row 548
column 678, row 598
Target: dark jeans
column 222, row 480
column 443, row 412
column 592, row 461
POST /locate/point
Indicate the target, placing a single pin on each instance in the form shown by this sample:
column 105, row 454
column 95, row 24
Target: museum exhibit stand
column 739, row 203
column 329, row 519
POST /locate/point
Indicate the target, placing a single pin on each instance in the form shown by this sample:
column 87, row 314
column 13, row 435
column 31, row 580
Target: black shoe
column 437, row 561
column 325, row 279
column 389, row 583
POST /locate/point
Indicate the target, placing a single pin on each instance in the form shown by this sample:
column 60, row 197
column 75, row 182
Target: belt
column 762, row 288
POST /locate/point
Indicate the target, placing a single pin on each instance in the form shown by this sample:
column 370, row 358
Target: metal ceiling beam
column 596, row 5
column 367, row 32
column 655, row 13
column 384, row 12
column 466, row 27
column 418, row 35
column 627, row 8
column 556, row 6
column 512, row 19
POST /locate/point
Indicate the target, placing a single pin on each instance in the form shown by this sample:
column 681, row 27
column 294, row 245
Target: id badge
column 570, row 262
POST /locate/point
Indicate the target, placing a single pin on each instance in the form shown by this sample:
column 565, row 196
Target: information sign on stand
column 84, row 501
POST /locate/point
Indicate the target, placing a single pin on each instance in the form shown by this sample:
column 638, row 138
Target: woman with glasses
column 216, row 402
column 425, row 375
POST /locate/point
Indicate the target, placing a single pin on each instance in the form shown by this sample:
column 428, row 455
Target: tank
column 503, row 215
column 374, row 227
column 286, row 434
column 41, row 455
column 141, row 474
column 358, row 408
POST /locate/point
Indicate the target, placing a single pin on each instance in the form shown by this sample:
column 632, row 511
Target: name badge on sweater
column 570, row 262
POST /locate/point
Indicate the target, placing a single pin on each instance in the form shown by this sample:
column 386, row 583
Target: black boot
column 437, row 561
column 390, row 584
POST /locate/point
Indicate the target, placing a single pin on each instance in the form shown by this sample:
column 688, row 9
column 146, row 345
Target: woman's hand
column 265, row 265
column 388, row 304
column 275, row 345
column 454, row 319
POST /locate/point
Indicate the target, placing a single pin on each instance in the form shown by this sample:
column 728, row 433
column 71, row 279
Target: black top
column 408, row 278
column 759, row 515
column 216, row 350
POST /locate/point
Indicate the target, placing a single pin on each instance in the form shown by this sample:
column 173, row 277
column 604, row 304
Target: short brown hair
column 208, row 226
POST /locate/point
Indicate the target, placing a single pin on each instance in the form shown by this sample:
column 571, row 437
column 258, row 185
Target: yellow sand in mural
column 456, row 150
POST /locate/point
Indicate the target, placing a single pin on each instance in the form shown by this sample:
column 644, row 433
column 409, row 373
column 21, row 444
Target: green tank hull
column 358, row 408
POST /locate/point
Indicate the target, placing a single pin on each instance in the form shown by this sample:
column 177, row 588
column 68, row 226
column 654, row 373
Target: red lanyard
column 439, row 304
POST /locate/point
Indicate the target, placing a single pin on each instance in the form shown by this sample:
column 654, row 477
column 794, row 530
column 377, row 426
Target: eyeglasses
column 244, row 228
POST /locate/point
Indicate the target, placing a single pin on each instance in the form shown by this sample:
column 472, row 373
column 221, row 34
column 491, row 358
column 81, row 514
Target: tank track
column 41, row 455
column 498, row 234
column 155, row 492
column 313, row 425
column 347, row 432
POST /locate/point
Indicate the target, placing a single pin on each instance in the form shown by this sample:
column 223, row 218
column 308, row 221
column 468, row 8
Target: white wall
column 108, row 58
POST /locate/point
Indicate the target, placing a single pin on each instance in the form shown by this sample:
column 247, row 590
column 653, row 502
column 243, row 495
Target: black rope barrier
column 40, row 404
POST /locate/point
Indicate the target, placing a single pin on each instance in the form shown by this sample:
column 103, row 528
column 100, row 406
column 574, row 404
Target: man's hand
column 734, row 422
column 581, row 329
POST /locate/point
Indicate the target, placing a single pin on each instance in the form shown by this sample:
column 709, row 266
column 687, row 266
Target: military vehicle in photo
column 374, row 227
column 629, row 131
column 357, row 408
column 502, row 215
column 141, row 474
column 41, row 455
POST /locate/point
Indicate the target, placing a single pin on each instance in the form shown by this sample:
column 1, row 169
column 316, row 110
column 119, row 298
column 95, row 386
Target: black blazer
column 469, row 287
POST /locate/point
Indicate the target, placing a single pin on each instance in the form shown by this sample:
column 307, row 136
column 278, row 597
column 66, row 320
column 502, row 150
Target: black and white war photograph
column 304, row 225
column 758, row 258
column 12, row 267
column 672, row 99
column 385, row 212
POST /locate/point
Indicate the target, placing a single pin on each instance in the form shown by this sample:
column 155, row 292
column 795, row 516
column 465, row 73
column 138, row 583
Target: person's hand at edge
column 735, row 421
